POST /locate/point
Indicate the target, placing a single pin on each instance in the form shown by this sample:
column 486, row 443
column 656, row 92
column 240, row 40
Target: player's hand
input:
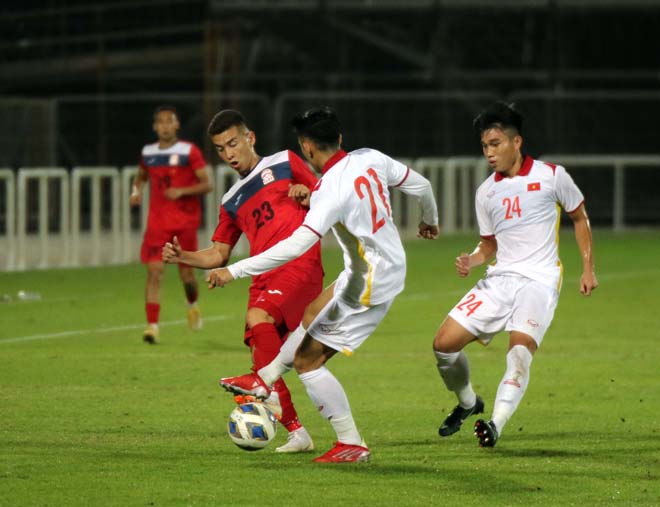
column 135, row 199
column 219, row 277
column 427, row 231
column 300, row 193
column 462, row 264
column 172, row 251
column 588, row 283
column 173, row 193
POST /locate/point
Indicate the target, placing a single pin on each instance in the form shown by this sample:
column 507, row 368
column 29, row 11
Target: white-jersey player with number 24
column 352, row 199
column 518, row 210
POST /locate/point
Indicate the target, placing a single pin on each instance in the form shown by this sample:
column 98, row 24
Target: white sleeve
column 325, row 207
column 286, row 250
column 568, row 194
column 417, row 185
column 483, row 219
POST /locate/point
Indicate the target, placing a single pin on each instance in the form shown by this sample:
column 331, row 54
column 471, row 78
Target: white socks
column 283, row 362
column 513, row 385
column 455, row 371
column 328, row 395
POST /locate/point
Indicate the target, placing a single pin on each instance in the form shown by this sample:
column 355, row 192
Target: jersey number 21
column 362, row 182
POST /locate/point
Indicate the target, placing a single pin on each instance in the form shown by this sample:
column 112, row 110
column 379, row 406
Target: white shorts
column 344, row 326
column 509, row 303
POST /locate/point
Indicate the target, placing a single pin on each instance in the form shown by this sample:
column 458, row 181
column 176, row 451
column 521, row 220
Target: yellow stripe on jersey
column 347, row 352
column 366, row 295
column 561, row 266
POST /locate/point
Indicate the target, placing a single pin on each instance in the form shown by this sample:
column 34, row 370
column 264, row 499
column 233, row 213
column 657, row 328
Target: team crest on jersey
column 174, row 159
column 267, row 176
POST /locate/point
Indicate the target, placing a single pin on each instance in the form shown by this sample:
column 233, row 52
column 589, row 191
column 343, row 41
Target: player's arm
column 588, row 280
column 136, row 192
column 483, row 253
column 303, row 180
column 286, row 250
column 418, row 186
column 203, row 186
column 217, row 255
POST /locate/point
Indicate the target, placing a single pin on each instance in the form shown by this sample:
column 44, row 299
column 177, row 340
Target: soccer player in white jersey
column 352, row 198
column 518, row 211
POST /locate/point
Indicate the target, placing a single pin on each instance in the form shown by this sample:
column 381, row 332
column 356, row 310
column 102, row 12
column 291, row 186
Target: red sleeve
column 226, row 231
column 301, row 172
column 196, row 159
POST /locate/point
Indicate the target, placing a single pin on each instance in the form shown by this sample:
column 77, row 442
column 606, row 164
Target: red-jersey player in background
column 267, row 204
column 176, row 170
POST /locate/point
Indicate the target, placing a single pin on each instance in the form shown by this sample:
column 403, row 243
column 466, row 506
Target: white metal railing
column 619, row 163
column 454, row 181
column 95, row 175
column 42, row 175
column 127, row 244
column 7, row 175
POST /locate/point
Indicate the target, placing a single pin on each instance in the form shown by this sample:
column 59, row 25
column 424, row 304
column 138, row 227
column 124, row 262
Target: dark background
column 79, row 80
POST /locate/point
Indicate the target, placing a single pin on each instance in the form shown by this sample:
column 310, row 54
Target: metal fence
column 49, row 221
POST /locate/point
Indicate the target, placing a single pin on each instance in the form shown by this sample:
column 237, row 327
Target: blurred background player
column 177, row 173
column 352, row 198
column 267, row 203
column 518, row 215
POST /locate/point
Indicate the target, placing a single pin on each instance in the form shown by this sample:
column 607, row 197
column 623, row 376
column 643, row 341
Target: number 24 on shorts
column 470, row 304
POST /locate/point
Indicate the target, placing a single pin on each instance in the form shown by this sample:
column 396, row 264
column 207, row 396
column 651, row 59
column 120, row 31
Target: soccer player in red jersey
column 267, row 204
column 177, row 173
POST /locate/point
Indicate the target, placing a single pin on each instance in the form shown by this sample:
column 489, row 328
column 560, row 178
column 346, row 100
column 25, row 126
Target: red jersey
column 172, row 167
column 259, row 205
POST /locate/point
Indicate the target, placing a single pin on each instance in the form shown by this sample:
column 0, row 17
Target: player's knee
column 444, row 340
column 187, row 274
column 302, row 364
column 155, row 274
column 257, row 316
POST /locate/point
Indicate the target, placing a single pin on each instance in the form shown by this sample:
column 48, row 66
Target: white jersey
column 522, row 213
column 353, row 199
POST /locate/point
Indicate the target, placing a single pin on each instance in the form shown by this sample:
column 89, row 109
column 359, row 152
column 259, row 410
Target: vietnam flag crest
column 534, row 187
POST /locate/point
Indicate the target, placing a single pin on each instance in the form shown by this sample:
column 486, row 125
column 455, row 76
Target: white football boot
column 297, row 441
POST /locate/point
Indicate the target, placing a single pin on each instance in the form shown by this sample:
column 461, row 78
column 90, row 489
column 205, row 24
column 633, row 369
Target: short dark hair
column 165, row 107
column 321, row 125
column 224, row 120
column 498, row 115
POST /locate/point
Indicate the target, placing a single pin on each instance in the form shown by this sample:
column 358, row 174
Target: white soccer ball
column 251, row 426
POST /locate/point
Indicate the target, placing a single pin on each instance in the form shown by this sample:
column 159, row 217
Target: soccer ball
column 251, row 426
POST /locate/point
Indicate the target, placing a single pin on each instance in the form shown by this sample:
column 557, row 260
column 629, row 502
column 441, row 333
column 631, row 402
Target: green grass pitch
column 91, row 416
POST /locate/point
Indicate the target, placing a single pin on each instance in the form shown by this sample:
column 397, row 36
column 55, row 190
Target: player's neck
column 515, row 168
column 164, row 144
column 253, row 163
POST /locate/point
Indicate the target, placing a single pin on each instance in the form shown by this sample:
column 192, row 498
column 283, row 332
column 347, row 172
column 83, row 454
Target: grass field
column 89, row 415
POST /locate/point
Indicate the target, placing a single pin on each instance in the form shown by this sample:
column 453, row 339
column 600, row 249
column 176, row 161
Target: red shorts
column 286, row 292
column 155, row 239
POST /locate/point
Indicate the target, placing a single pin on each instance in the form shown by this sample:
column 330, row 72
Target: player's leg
column 480, row 314
column 327, row 393
column 155, row 271
column 337, row 327
column 511, row 389
column 533, row 310
column 454, row 369
column 277, row 309
column 265, row 344
column 188, row 240
column 283, row 362
column 151, row 257
column 257, row 385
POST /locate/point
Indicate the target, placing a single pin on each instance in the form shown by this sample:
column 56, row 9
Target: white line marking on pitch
column 77, row 332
